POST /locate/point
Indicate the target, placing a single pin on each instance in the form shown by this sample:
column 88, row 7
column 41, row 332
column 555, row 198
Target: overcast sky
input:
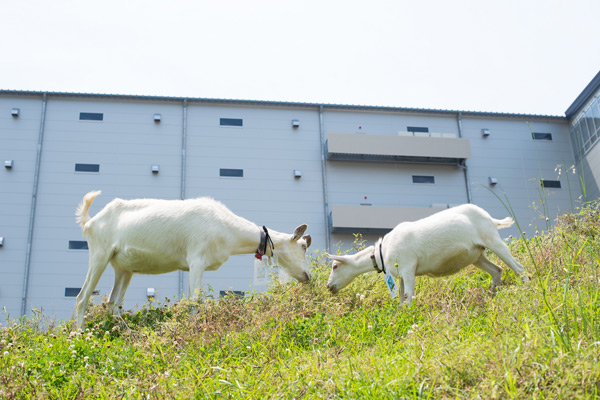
column 521, row 56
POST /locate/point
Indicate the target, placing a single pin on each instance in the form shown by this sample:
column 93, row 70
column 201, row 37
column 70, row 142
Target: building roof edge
column 278, row 104
column 583, row 96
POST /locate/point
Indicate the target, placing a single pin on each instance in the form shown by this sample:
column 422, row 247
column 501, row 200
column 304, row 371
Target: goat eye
column 334, row 266
column 304, row 247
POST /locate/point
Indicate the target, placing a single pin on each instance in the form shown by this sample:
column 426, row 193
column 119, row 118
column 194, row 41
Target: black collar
column 264, row 241
column 374, row 259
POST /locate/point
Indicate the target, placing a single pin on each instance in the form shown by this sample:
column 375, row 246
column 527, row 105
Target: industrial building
column 340, row 169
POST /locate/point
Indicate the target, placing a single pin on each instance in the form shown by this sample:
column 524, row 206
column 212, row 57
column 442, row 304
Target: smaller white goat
column 151, row 236
column 439, row 245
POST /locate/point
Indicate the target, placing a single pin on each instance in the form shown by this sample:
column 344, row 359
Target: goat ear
column 308, row 240
column 298, row 232
column 336, row 257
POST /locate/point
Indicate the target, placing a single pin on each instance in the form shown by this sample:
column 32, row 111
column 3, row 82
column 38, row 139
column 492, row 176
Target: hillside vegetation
column 539, row 339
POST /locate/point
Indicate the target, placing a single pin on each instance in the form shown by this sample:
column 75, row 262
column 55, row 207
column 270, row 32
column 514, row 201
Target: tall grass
column 540, row 339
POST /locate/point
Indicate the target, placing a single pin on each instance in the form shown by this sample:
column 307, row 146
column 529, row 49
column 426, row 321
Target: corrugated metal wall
column 266, row 147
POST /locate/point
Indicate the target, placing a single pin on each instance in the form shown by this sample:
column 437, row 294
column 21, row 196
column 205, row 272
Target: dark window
column 541, row 136
column 414, row 129
column 423, row 179
column 72, row 291
column 78, row 245
column 231, row 122
column 87, row 167
column 550, row 184
column 87, row 116
column 237, row 293
column 237, row 173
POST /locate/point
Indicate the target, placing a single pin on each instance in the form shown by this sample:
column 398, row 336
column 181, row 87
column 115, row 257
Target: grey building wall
column 18, row 142
column 519, row 162
column 267, row 148
column 124, row 144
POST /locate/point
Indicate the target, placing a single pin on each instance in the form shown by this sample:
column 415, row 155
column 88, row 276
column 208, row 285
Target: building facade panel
column 518, row 162
column 124, row 145
column 266, row 150
column 18, row 143
column 268, row 163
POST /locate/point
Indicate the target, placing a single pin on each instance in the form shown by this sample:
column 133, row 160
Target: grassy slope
column 535, row 340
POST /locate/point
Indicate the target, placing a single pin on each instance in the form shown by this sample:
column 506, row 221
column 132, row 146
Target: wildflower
column 249, row 348
column 409, row 332
column 370, row 327
column 362, row 297
column 86, row 358
column 5, row 353
column 415, row 327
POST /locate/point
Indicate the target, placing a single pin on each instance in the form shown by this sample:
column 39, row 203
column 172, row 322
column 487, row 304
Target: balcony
column 370, row 219
column 404, row 147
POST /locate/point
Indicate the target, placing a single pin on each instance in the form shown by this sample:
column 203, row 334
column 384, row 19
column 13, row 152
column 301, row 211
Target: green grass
column 539, row 340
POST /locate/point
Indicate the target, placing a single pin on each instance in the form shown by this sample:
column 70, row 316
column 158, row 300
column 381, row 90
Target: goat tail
column 83, row 209
column 503, row 223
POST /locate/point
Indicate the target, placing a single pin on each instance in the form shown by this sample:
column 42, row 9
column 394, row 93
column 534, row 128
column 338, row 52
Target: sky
column 513, row 56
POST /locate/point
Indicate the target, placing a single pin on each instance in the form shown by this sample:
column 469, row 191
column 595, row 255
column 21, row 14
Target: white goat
column 151, row 236
column 439, row 245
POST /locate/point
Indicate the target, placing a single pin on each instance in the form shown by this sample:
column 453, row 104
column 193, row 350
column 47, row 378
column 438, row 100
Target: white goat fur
column 151, row 236
column 439, row 245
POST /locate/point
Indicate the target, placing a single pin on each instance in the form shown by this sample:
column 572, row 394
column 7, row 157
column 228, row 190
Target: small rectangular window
column 78, row 245
column 541, row 136
column 87, row 167
column 231, row 122
column 550, row 184
column 237, row 293
column 88, row 116
column 414, row 129
column 228, row 172
column 423, row 179
column 72, row 291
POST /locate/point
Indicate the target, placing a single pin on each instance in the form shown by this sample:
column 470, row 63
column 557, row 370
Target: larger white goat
column 151, row 236
column 439, row 245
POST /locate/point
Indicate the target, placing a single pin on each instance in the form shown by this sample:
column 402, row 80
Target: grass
column 538, row 340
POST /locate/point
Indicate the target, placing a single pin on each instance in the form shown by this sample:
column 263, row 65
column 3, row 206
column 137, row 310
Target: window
column 88, row 116
column 72, row 291
column 78, row 245
column 87, row 167
column 231, row 122
column 541, row 136
column 550, row 184
column 414, row 129
column 423, row 179
column 237, row 293
column 231, row 173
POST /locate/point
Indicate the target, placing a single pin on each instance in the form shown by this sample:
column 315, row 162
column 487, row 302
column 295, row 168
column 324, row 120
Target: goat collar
column 374, row 258
column 265, row 239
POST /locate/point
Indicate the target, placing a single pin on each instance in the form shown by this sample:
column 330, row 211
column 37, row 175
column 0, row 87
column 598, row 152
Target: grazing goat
column 151, row 236
column 439, row 245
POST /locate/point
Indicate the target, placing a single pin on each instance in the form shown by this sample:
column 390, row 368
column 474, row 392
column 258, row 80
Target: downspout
column 36, row 177
column 463, row 165
column 324, row 177
column 183, row 170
